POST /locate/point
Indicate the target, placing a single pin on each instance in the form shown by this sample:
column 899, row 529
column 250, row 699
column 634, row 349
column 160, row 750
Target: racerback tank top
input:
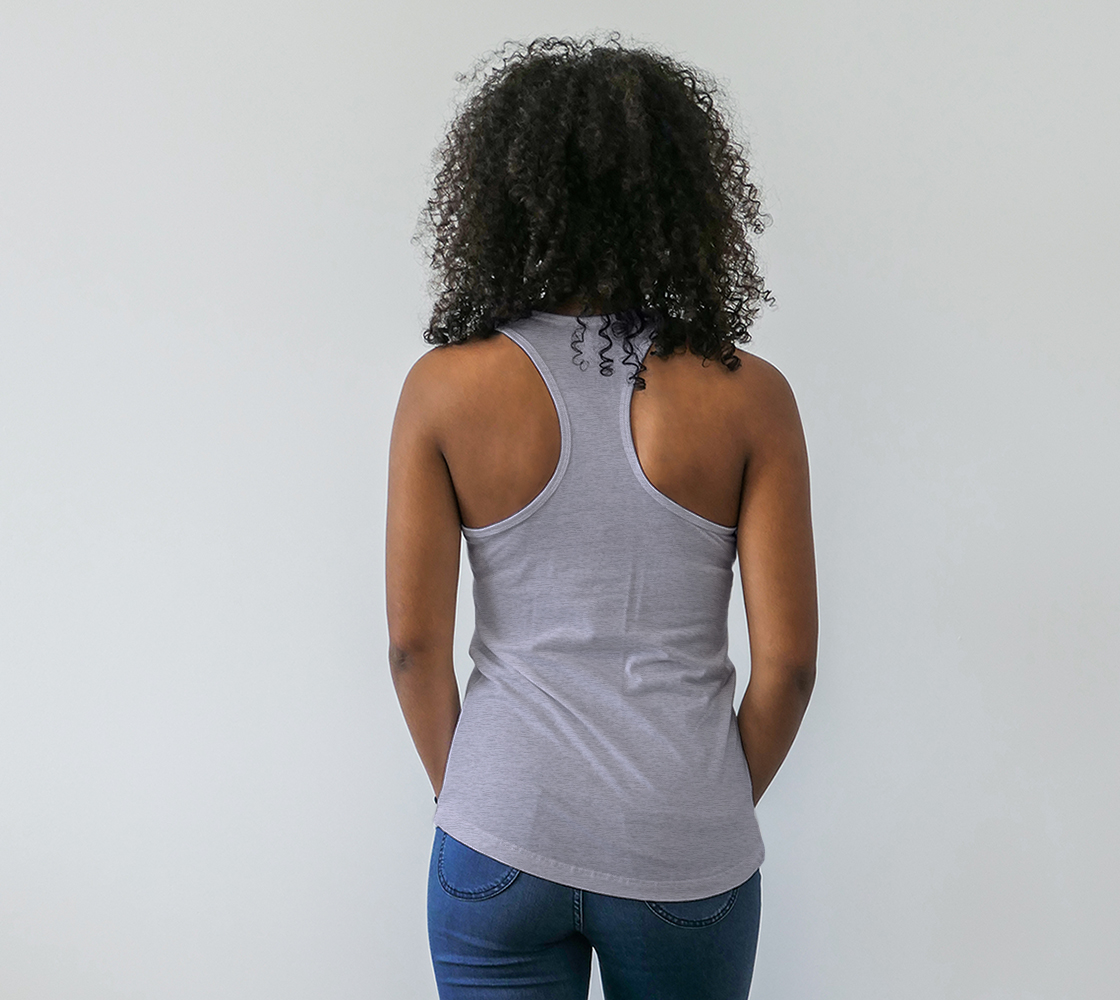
column 598, row 745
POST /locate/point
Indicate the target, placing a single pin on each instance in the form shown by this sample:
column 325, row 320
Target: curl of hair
column 591, row 172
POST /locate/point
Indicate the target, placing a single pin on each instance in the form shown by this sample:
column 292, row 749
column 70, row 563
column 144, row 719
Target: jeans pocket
column 696, row 912
column 469, row 874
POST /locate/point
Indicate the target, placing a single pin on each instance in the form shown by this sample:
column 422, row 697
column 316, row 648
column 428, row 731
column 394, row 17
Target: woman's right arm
column 775, row 540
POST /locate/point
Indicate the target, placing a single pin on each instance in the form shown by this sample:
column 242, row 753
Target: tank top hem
column 595, row 881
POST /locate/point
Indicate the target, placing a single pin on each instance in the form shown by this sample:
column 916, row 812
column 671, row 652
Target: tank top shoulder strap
column 580, row 362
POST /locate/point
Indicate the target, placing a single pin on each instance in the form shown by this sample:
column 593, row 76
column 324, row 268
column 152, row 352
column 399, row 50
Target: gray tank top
column 598, row 745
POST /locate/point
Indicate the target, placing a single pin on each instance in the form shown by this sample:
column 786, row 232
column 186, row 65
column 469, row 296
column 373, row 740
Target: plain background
column 208, row 301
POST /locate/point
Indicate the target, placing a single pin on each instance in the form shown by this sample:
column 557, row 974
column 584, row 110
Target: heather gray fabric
column 598, row 745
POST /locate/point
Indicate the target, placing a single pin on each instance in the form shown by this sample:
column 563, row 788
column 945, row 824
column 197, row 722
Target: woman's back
column 598, row 743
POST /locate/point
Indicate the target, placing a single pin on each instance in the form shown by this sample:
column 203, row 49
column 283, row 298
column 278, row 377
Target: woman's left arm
column 422, row 569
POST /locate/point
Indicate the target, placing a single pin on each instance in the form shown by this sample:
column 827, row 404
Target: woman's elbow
column 400, row 659
column 791, row 675
column 416, row 656
column 803, row 676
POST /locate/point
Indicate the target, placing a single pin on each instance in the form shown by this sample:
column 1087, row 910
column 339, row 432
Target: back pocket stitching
column 684, row 922
column 486, row 892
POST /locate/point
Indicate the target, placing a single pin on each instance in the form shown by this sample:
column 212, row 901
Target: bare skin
column 476, row 438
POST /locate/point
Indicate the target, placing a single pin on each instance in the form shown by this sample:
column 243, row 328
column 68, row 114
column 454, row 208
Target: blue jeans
column 499, row 932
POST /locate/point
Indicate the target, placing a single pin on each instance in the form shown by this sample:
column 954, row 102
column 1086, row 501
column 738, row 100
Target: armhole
column 636, row 467
column 565, row 446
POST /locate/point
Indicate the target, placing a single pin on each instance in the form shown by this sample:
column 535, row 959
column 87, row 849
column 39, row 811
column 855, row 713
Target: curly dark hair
column 594, row 172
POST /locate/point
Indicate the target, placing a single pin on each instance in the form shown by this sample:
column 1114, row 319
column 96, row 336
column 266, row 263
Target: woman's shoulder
column 755, row 397
column 761, row 380
column 767, row 407
column 755, row 384
column 459, row 384
column 458, row 363
column 767, row 399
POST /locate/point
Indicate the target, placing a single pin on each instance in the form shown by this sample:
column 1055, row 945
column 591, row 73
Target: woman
column 589, row 426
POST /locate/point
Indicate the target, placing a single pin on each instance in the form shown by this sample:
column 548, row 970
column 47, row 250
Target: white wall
column 208, row 300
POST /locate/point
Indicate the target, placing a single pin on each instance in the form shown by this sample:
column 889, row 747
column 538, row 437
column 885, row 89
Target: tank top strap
column 588, row 367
